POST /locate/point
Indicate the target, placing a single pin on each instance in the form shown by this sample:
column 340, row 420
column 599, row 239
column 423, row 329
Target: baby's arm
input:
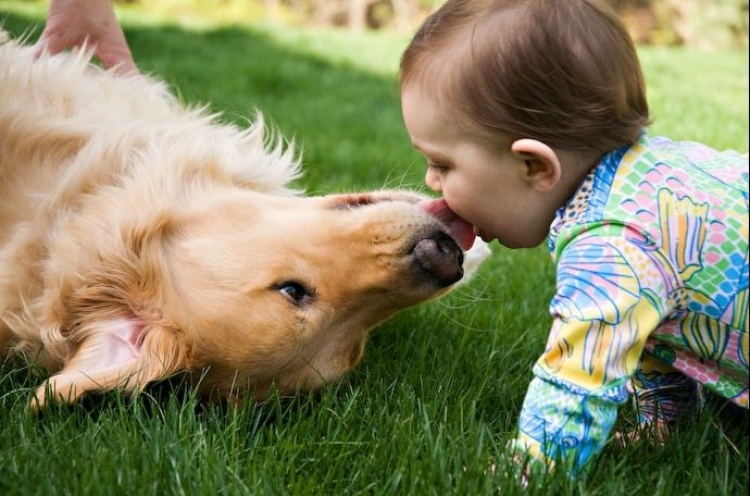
column 563, row 424
column 604, row 311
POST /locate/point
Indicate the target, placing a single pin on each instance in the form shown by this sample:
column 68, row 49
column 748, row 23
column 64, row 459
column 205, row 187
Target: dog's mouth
column 462, row 231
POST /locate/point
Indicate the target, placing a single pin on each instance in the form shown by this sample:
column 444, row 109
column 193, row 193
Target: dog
column 142, row 238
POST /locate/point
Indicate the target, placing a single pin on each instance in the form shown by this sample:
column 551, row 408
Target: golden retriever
column 140, row 238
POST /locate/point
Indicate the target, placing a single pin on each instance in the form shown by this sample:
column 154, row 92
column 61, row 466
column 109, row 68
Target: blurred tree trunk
column 708, row 24
column 273, row 7
column 358, row 14
column 323, row 11
column 403, row 13
column 697, row 23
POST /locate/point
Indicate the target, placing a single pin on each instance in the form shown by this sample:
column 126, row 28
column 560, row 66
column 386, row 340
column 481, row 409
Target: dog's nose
column 439, row 255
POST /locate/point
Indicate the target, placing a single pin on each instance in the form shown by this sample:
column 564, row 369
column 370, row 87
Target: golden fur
column 140, row 238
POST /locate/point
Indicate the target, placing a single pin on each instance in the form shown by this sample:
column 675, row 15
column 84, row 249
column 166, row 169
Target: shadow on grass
column 174, row 397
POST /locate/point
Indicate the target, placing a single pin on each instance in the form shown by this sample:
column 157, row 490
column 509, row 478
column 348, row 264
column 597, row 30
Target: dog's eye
column 295, row 291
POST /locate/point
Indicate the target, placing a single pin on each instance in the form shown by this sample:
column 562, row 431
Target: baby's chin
column 479, row 233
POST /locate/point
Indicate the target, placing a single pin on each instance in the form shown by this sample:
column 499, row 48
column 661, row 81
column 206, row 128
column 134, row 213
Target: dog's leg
column 72, row 383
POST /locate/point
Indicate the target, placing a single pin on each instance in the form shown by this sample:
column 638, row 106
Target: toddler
column 532, row 115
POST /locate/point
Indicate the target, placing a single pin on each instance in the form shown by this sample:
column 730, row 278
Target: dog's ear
column 113, row 333
column 122, row 353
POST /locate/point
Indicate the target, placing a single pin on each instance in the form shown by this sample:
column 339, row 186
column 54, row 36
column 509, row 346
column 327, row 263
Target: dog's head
column 247, row 290
column 284, row 290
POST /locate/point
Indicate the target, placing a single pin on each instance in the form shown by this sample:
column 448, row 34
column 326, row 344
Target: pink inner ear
column 105, row 359
column 115, row 343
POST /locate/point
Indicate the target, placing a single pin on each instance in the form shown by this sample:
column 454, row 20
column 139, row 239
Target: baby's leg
column 662, row 394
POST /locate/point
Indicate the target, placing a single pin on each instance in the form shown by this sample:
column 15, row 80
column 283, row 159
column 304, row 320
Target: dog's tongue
column 462, row 231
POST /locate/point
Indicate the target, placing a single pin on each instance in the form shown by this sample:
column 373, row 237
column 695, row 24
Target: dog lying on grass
column 140, row 239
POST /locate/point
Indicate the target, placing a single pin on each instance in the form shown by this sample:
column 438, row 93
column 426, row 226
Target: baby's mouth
column 463, row 232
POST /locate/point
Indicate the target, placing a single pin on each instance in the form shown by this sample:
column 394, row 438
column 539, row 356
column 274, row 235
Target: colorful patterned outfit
column 652, row 297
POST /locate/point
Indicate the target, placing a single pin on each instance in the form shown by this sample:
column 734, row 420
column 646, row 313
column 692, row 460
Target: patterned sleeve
column 611, row 294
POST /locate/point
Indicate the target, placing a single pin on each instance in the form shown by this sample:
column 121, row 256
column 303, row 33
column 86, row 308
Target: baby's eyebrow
column 430, row 154
column 419, row 145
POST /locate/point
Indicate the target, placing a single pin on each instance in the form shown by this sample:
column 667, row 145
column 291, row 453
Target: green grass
column 437, row 395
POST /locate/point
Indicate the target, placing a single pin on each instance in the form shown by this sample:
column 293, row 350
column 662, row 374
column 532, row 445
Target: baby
column 532, row 115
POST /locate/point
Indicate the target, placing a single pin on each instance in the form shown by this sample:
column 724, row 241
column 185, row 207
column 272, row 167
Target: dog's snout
column 439, row 255
column 353, row 201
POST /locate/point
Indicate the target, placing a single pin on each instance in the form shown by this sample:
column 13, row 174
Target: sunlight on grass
column 698, row 96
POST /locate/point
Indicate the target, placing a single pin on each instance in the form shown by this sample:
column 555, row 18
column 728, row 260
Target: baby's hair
column 564, row 72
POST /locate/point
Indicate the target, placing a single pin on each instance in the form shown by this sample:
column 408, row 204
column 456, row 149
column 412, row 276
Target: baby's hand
column 87, row 23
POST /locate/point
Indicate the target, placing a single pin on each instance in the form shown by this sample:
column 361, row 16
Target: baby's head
column 563, row 72
column 501, row 74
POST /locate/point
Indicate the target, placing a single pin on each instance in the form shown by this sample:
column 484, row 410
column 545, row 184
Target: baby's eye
column 437, row 168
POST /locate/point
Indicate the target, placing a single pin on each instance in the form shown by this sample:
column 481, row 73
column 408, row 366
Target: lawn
column 436, row 398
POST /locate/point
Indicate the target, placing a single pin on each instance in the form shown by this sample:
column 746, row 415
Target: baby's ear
column 543, row 169
column 116, row 353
